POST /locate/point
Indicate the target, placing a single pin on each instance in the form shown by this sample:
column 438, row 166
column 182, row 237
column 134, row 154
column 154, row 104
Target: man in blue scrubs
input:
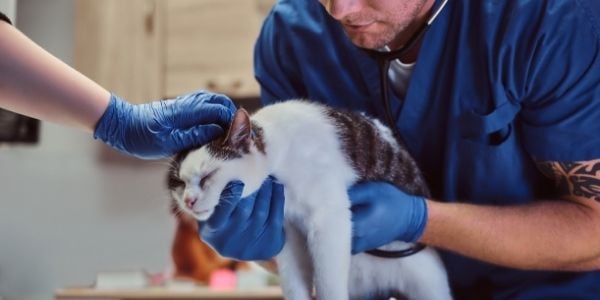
column 499, row 103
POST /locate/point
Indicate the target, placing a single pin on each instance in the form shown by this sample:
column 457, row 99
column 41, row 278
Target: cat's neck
column 267, row 139
column 298, row 136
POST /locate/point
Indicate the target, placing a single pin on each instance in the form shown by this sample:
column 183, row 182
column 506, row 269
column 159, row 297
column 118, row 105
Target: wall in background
column 66, row 211
column 8, row 8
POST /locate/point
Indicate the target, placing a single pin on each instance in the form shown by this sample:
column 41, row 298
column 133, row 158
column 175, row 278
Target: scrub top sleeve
column 561, row 108
column 4, row 18
column 275, row 68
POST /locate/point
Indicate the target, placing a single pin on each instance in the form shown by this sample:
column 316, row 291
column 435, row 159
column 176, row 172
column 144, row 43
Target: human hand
column 382, row 213
column 248, row 228
column 163, row 128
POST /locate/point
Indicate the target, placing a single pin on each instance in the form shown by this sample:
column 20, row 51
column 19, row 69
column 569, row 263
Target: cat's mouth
column 203, row 214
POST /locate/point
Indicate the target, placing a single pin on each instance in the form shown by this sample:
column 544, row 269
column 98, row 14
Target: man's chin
column 366, row 41
column 368, row 44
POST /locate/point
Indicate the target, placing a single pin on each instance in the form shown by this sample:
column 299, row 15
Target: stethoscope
column 383, row 60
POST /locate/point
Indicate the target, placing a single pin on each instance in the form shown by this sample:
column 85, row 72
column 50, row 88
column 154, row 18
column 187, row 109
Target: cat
column 317, row 153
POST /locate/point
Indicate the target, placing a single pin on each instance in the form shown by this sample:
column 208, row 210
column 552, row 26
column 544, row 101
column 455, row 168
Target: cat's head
column 197, row 177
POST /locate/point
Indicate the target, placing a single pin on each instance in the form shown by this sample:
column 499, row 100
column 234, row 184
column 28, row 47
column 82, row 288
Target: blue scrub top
column 496, row 84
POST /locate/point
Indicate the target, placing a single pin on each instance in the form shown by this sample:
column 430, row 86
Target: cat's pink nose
column 189, row 202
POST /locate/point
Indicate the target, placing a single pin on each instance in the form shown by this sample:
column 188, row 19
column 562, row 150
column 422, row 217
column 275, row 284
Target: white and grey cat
column 317, row 153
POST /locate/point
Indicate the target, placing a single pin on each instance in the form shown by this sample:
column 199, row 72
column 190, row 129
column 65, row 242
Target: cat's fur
column 317, row 153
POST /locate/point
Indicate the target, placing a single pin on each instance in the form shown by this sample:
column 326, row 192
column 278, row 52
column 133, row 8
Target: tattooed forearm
column 575, row 178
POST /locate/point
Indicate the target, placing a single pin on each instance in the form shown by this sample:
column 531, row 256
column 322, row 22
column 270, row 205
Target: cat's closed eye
column 206, row 177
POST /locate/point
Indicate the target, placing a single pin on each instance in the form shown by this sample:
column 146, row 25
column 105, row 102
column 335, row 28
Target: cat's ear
column 239, row 135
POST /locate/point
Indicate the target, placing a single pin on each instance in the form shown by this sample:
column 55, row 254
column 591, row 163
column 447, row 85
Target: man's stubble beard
column 391, row 34
column 377, row 40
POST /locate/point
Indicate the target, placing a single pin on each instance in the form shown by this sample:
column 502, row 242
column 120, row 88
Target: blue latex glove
column 248, row 228
column 382, row 213
column 163, row 128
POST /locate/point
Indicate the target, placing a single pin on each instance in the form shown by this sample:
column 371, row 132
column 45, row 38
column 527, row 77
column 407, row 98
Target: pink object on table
column 222, row 279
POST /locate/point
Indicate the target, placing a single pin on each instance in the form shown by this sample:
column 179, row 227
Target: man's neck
column 404, row 37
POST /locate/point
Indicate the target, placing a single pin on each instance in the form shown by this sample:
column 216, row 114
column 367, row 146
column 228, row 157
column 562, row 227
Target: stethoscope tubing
column 383, row 60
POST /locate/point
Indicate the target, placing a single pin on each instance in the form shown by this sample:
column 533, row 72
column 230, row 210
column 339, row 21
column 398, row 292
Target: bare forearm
column 559, row 235
column 37, row 84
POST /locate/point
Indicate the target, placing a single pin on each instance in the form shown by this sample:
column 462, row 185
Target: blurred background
column 71, row 207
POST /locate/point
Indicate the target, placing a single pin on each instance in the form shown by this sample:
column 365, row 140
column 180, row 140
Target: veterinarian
column 36, row 84
column 498, row 101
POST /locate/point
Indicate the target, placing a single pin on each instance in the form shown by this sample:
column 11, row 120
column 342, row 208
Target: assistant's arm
column 35, row 83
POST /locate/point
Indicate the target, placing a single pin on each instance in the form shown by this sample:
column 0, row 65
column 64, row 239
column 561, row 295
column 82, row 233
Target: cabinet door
column 209, row 44
column 149, row 49
column 119, row 44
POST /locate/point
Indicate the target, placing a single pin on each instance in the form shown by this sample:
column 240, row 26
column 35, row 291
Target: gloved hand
column 382, row 213
column 248, row 228
column 162, row 128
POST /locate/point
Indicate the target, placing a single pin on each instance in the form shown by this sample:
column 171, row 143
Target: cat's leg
column 329, row 240
column 425, row 277
column 294, row 265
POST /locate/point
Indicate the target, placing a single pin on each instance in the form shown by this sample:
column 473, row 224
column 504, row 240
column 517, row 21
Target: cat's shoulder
column 293, row 107
column 301, row 104
column 310, row 110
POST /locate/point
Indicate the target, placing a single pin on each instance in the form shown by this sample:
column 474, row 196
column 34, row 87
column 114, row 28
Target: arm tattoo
column 576, row 178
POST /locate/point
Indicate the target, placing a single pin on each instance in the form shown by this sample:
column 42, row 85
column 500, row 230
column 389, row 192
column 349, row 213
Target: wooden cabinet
column 150, row 49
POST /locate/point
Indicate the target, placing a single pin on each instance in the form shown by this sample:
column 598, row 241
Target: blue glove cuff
column 108, row 129
column 418, row 220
